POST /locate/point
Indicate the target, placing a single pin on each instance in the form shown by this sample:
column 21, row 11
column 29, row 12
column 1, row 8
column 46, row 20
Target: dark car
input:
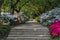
column 12, row 19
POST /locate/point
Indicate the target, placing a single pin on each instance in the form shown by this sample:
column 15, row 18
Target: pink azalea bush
column 55, row 28
column 51, row 20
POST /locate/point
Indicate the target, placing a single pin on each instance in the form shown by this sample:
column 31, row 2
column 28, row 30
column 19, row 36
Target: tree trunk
column 1, row 1
column 12, row 10
column 12, row 6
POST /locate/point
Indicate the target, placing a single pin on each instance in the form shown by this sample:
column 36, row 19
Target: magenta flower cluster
column 55, row 28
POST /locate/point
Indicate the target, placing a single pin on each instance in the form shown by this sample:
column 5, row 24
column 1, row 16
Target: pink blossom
column 55, row 28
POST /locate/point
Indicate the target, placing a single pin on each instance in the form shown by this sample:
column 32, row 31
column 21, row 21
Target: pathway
column 29, row 31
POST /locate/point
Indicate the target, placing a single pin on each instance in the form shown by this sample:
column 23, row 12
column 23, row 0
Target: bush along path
column 29, row 31
column 4, row 31
column 51, row 19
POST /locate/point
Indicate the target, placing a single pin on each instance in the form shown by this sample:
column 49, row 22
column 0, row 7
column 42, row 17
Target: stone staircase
column 29, row 31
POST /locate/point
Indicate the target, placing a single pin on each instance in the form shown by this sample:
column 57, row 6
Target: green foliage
column 37, row 19
column 37, row 3
column 32, row 8
column 8, row 27
column 6, row 6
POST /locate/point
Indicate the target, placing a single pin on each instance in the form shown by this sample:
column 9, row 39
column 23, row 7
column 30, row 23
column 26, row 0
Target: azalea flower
column 55, row 28
column 51, row 19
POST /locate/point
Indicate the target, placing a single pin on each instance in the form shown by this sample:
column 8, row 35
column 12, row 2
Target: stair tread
column 31, row 31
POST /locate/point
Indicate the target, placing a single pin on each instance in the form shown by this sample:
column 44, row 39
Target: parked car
column 11, row 18
column 16, row 20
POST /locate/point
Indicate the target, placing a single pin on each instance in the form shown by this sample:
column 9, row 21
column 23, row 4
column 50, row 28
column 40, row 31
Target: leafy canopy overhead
column 30, row 7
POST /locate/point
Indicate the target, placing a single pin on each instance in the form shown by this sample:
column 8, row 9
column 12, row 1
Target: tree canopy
column 31, row 8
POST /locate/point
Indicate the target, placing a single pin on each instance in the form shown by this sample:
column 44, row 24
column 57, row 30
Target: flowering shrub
column 55, row 28
column 51, row 19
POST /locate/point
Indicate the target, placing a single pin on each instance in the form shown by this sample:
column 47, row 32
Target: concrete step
column 29, row 35
column 29, row 32
column 28, row 38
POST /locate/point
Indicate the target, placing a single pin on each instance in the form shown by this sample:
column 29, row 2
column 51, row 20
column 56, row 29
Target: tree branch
column 16, row 2
column 21, row 6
